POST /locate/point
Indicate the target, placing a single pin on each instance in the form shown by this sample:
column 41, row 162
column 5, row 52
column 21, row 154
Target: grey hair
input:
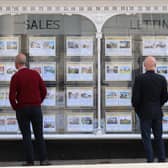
column 20, row 59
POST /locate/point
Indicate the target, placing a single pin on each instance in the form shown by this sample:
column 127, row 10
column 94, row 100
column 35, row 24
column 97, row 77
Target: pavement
column 99, row 163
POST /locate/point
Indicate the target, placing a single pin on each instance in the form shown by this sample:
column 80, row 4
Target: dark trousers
column 24, row 117
column 156, row 126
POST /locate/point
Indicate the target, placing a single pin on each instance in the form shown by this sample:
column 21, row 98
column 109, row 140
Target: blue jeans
column 156, row 126
column 24, row 117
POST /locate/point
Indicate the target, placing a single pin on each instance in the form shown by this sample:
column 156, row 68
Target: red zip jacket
column 26, row 89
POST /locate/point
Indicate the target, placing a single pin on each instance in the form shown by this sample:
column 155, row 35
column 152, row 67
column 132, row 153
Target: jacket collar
column 23, row 67
column 150, row 71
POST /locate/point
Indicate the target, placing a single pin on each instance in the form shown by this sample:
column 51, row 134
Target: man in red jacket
column 27, row 92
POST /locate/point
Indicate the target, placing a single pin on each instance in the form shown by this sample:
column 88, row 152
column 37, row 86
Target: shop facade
column 88, row 53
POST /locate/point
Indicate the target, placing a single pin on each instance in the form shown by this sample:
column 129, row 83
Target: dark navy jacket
column 149, row 95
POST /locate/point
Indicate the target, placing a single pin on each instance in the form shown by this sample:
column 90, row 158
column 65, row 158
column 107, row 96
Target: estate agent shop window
column 63, row 49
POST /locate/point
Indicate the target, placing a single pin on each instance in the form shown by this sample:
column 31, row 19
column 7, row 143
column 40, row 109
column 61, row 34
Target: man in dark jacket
column 149, row 95
column 27, row 92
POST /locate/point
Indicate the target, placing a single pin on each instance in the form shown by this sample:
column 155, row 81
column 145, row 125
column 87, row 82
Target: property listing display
column 79, row 71
column 42, row 46
column 155, row 45
column 9, row 46
column 49, row 123
column 50, row 99
column 116, row 83
column 118, row 46
column 118, row 121
column 162, row 69
column 79, row 46
column 7, row 70
column 80, row 96
column 4, row 97
column 117, row 71
column 47, row 70
column 8, row 123
column 80, row 88
column 68, row 58
column 117, row 96
column 79, row 122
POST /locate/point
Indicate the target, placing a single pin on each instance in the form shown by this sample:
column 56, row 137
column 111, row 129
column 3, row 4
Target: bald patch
column 21, row 59
column 150, row 63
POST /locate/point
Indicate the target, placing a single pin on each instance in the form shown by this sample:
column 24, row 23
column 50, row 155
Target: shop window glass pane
column 127, row 40
column 62, row 49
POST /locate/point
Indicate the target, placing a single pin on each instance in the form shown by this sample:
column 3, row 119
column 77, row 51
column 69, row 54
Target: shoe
column 28, row 164
column 161, row 160
column 150, row 161
column 44, row 163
